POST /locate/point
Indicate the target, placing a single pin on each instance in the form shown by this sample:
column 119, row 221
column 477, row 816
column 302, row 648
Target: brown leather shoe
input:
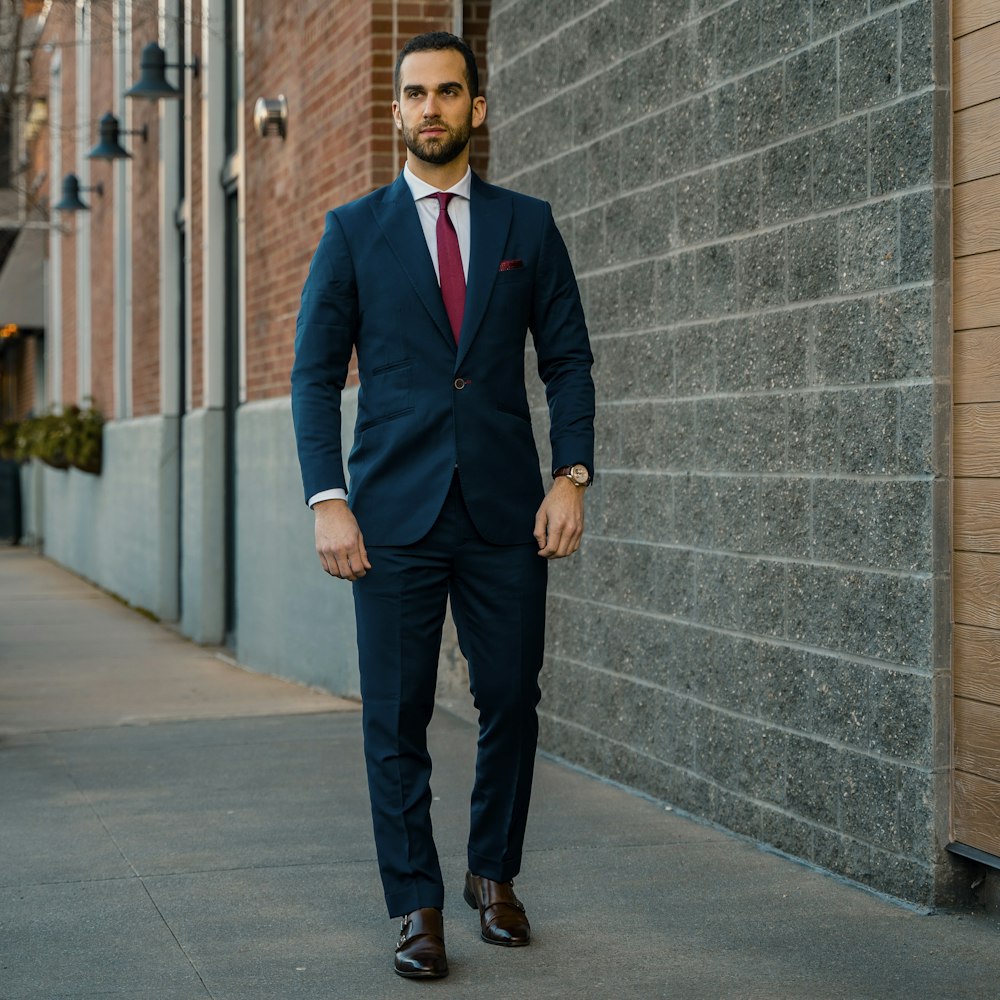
column 420, row 950
column 501, row 914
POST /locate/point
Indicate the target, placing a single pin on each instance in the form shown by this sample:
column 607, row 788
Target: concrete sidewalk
column 172, row 827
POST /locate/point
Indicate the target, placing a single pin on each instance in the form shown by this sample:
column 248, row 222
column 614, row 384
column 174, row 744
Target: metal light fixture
column 71, row 201
column 109, row 148
column 270, row 116
column 152, row 84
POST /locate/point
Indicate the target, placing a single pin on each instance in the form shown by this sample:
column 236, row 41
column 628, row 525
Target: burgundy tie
column 450, row 265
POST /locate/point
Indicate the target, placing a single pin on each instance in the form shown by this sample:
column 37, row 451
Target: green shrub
column 72, row 437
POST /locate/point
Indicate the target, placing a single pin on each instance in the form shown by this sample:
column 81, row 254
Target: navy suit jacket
column 425, row 406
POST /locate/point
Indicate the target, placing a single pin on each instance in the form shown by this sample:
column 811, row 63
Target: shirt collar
column 421, row 189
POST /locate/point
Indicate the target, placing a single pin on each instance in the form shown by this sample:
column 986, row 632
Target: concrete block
column 760, row 108
column 737, row 513
column 604, row 177
column 716, row 268
column 696, row 199
column 817, row 801
column 786, row 181
column 812, row 259
column 675, row 288
column 868, row 422
column 869, row 63
column 784, row 679
column 840, row 701
column 902, row 145
column 737, row 38
column 784, row 27
column 738, row 188
column 902, row 717
column 811, row 86
column 917, row 237
column 916, row 67
column 879, row 524
column 840, row 164
column 655, row 223
column 762, row 270
column 785, row 517
column 919, row 409
column 639, row 21
column 869, row 250
column 831, row 16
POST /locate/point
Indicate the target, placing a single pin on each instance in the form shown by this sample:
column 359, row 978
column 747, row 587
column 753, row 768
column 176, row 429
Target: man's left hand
column 559, row 521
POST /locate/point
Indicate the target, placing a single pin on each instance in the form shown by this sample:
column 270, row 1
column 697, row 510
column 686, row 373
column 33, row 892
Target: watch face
column 579, row 474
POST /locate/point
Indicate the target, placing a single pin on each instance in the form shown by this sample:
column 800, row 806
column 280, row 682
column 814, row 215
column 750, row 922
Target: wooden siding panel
column 977, row 738
column 977, row 142
column 976, row 366
column 976, row 440
column 976, row 663
column 976, row 215
column 976, row 593
column 976, row 511
column 977, row 68
column 976, row 811
column 971, row 15
column 977, row 291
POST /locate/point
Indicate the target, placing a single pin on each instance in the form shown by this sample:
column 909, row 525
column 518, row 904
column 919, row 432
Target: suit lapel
column 491, row 211
column 397, row 216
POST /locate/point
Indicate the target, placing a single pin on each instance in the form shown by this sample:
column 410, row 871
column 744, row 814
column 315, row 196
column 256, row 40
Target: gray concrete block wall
column 754, row 194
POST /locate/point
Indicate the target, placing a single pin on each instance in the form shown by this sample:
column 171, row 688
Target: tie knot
column 443, row 197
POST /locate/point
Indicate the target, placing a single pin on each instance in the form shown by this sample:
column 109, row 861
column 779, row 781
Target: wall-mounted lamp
column 270, row 116
column 109, row 148
column 70, row 201
column 152, row 84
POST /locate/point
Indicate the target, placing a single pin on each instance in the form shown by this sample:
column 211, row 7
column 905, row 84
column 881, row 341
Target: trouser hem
column 415, row 898
column 485, row 867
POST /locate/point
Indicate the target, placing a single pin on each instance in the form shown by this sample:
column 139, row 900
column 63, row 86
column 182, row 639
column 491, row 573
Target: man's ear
column 396, row 117
column 478, row 111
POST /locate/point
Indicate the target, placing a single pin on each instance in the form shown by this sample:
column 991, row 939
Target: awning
column 22, row 289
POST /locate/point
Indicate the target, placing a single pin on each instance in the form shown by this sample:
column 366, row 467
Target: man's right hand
column 339, row 543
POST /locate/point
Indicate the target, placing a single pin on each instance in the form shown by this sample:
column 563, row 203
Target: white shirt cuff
column 337, row 494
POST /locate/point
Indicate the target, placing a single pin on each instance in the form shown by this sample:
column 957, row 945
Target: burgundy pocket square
column 511, row 265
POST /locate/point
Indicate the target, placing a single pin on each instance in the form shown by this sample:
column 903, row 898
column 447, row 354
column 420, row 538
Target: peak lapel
column 397, row 216
column 490, row 212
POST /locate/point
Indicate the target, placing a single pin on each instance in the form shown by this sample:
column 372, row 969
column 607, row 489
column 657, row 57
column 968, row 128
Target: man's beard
column 442, row 150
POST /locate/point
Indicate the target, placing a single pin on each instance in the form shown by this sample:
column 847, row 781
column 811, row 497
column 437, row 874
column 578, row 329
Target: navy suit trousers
column 497, row 597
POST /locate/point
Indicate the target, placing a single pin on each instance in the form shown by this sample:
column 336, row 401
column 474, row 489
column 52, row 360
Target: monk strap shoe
column 501, row 914
column 420, row 949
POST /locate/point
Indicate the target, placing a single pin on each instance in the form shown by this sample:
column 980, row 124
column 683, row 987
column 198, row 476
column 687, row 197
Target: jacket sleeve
column 324, row 338
column 563, row 349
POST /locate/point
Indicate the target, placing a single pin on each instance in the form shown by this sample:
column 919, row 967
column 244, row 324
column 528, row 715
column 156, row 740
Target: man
column 435, row 281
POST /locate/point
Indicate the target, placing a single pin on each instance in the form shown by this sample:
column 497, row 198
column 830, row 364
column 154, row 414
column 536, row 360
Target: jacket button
column 460, row 383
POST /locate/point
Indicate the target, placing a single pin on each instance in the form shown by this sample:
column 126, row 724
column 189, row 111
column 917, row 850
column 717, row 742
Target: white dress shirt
column 428, row 208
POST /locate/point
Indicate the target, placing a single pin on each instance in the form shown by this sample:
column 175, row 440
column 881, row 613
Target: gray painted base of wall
column 292, row 619
column 119, row 529
column 203, row 552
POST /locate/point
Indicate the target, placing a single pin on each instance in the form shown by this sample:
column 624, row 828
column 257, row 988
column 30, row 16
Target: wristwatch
column 578, row 474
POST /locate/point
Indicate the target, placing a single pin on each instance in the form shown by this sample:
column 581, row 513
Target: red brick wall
column 145, row 237
column 102, row 216
column 196, row 229
column 334, row 64
column 63, row 33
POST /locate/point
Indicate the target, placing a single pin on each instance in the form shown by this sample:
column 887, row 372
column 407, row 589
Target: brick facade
column 753, row 628
column 334, row 64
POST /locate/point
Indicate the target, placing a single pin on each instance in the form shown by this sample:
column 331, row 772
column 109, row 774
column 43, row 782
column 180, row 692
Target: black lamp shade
column 109, row 148
column 152, row 84
column 71, row 201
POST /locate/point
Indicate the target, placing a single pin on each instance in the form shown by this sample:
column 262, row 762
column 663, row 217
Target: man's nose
column 430, row 107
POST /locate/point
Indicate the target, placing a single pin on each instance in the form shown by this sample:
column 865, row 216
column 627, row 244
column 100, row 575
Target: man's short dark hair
column 435, row 41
